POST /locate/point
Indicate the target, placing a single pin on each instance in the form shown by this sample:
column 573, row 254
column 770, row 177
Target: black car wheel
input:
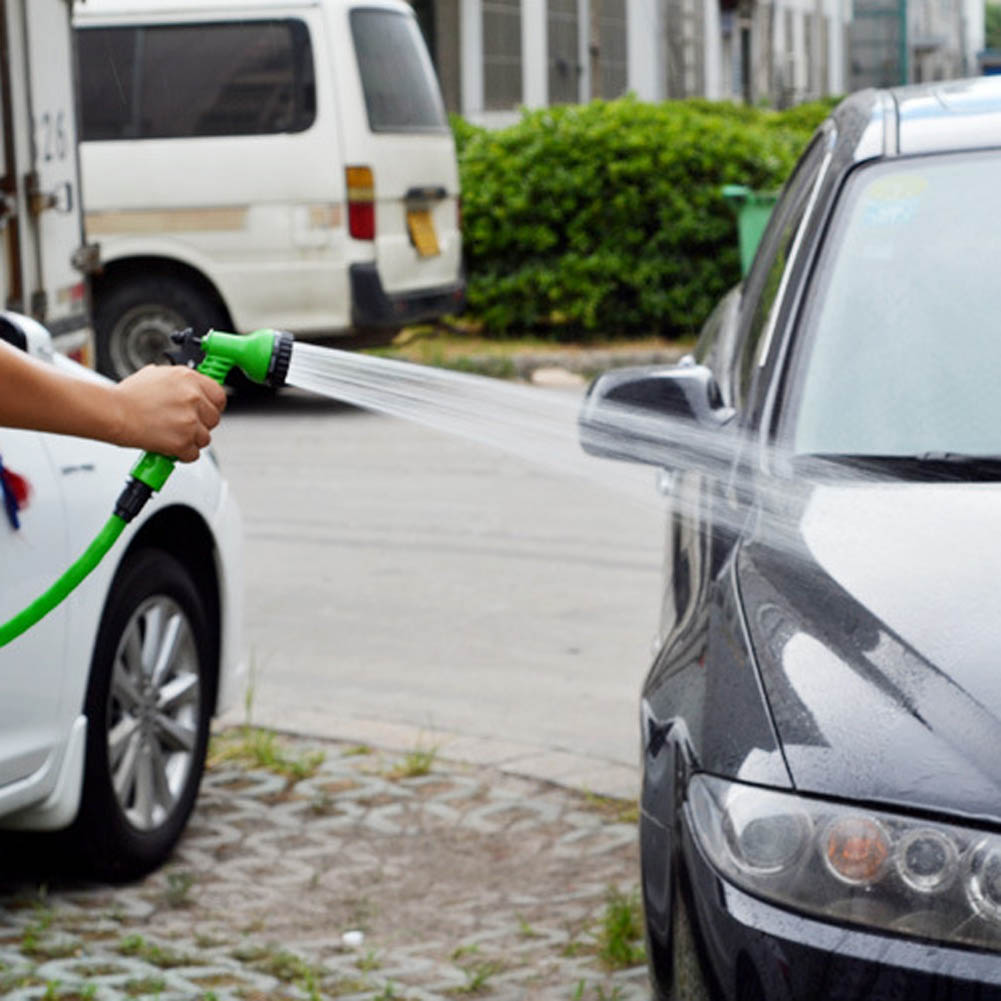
column 135, row 318
column 148, row 708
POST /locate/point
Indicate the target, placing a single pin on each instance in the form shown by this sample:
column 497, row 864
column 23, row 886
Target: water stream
column 542, row 426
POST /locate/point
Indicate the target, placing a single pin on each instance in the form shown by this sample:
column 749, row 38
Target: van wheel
column 135, row 317
column 148, row 707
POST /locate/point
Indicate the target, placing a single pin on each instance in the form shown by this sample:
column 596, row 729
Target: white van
column 263, row 163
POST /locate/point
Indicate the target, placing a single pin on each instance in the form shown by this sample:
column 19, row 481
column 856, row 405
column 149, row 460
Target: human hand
column 170, row 410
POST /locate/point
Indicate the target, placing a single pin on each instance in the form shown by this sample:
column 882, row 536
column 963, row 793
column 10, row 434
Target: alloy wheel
column 154, row 704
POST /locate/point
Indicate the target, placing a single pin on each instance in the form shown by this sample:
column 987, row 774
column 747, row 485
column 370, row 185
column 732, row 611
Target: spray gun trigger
column 188, row 351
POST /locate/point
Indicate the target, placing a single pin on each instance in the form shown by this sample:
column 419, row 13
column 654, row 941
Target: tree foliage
column 607, row 218
column 992, row 26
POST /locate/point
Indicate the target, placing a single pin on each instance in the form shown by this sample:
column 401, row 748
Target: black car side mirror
column 672, row 417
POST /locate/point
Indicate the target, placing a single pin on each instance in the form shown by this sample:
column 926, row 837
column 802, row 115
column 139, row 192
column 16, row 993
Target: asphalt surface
column 407, row 586
column 360, row 881
column 416, row 601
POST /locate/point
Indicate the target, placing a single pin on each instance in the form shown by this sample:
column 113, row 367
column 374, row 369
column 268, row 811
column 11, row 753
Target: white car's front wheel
column 148, row 709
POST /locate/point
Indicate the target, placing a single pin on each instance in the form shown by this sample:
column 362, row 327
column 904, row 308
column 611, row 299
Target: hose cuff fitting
column 132, row 499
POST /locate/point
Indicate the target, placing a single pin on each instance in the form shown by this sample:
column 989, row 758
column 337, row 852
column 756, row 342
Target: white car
column 105, row 705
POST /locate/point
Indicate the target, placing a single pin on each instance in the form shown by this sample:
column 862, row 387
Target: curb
column 567, row 769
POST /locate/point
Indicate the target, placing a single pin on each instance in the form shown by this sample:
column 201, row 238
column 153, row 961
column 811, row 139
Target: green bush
column 607, row 218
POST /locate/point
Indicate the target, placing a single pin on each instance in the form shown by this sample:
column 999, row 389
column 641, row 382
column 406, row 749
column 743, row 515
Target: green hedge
column 606, row 218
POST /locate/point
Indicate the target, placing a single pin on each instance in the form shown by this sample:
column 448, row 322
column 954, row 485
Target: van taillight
column 361, row 202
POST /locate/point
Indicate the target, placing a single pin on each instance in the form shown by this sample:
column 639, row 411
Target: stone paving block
column 463, row 877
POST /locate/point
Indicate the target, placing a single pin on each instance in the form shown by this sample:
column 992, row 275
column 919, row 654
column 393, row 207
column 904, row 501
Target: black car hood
column 875, row 616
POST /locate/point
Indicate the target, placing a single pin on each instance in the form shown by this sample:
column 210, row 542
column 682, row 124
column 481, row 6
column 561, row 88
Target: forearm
column 38, row 396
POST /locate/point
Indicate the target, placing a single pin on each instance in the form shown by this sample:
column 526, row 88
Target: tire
column 144, row 761
column 134, row 318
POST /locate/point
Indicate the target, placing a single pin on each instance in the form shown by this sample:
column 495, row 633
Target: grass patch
column 619, row 937
column 136, row 945
column 144, row 985
column 622, row 811
column 260, row 748
column 179, row 885
column 289, row 968
column 478, row 976
column 369, row 962
column 414, row 764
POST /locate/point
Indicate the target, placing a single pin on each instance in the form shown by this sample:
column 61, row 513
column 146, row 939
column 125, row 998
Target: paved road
column 405, row 585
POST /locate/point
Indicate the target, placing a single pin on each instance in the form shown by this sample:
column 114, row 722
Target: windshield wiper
column 936, row 466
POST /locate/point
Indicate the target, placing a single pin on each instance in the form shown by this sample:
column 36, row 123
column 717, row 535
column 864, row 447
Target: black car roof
column 925, row 118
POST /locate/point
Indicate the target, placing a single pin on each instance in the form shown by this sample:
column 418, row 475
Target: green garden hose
column 263, row 357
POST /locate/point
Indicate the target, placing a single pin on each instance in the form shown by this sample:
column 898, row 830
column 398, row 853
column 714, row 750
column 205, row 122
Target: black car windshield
column 903, row 332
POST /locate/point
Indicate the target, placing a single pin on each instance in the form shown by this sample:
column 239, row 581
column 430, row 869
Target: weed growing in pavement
column 415, row 763
column 613, row 994
column 622, row 811
column 322, row 804
column 525, row 930
column 461, row 951
column 290, row 968
column 261, row 748
column 388, row 993
column 178, row 887
column 619, row 938
column 54, row 991
column 31, row 944
column 18, row 981
column 136, row 945
column 358, row 751
column 477, row 977
column 369, row 962
column 250, row 952
column 207, row 941
column 144, row 985
column 51, row 950
column 308, row 983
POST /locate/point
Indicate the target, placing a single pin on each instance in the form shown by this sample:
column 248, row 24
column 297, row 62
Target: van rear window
column 185, row 80
column 401, row 90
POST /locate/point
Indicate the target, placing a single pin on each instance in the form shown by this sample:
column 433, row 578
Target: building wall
column 496, row 56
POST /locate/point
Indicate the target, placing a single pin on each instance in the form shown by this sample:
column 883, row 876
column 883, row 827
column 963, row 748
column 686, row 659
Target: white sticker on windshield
column 892, row 200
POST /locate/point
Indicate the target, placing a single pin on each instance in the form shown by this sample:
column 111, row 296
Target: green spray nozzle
column 262, row 356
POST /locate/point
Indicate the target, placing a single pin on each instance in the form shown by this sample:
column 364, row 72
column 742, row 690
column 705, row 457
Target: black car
column 821, row 727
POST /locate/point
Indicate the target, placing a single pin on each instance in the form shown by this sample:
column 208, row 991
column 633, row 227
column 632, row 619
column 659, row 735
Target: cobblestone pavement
column 363, row 880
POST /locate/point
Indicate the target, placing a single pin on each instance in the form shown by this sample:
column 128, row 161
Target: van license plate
column 421, row 227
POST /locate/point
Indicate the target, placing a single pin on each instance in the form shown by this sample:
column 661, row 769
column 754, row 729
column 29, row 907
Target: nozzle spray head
column 262, row 356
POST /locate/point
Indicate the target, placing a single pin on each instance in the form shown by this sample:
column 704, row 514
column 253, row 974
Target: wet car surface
column 821, row 726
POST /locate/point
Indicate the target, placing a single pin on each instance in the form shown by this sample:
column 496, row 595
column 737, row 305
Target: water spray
column 262, row 356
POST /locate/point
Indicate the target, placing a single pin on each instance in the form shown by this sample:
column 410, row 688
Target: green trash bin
column 753, row 211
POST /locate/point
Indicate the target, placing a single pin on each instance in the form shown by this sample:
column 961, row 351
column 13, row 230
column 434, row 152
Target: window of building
column 564, row 52
column 501, row 54
column 613, row 74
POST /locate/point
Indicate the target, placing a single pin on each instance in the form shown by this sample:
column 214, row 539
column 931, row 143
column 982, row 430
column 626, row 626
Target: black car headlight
column 848, row 864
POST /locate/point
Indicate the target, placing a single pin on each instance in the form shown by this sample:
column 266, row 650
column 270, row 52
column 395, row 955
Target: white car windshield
column 903, row 331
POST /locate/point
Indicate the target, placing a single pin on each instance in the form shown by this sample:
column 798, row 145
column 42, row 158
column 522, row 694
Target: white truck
column 44, row 259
